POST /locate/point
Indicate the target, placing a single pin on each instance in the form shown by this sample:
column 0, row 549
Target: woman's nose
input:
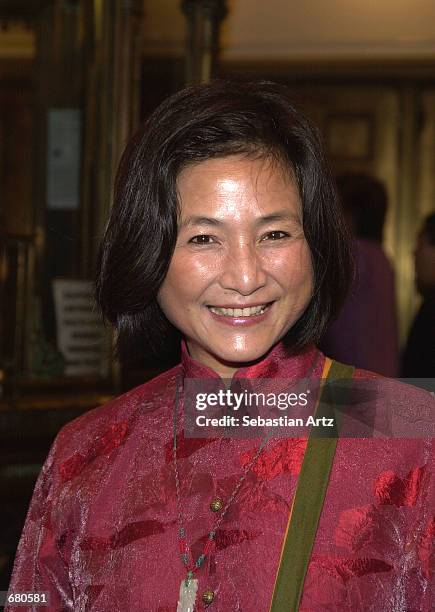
column 243, row 270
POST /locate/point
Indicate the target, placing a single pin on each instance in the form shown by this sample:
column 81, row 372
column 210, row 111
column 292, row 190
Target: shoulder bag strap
column 308, row 501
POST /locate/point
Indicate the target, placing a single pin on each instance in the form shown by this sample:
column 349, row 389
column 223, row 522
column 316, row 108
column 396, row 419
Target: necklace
column 189, row 585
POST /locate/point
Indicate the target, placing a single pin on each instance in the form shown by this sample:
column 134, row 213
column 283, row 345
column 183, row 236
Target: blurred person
column 419, row 353
column 365, row 332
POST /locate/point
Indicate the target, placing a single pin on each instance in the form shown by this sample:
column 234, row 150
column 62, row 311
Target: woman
column 225, row 234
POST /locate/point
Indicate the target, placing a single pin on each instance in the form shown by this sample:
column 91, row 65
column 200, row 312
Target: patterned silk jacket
column 102, row 529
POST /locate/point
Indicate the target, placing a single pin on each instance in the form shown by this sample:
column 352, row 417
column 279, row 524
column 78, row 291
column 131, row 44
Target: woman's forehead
column 236, row 187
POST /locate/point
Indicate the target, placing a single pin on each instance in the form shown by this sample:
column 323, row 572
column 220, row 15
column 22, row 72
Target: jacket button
column 207, row 597
column 216, row 504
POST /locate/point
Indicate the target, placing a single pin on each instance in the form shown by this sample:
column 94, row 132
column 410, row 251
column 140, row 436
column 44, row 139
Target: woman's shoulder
column 401, row 408
column 110, row 423
column 405, row 388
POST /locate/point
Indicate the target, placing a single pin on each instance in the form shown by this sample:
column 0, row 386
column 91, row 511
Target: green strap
column 308, row 503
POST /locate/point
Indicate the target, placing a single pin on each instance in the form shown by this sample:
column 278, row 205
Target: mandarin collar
column 278, row 363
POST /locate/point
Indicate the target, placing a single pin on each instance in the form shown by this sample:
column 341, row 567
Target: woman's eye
column 202, row 239
column 276, row 235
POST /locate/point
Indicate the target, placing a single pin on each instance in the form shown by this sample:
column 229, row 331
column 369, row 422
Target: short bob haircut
column 196, row 124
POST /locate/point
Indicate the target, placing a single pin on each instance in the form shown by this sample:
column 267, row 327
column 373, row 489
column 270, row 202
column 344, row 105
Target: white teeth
column 239, row 312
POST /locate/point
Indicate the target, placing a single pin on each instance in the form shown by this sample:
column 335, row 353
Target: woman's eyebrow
column 278, row 216
column 189, row 221
column 211, row 221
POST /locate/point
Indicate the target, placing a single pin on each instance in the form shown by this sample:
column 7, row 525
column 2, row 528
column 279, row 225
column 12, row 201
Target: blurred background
column 77, row 77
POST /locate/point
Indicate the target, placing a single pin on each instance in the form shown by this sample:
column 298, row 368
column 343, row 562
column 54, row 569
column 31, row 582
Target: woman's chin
column 240, row 356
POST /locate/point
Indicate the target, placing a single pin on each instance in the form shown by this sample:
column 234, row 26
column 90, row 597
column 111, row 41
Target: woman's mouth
column 250, row 311
column 240, row 316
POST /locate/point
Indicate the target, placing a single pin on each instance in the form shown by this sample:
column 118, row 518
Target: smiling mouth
column 251, row 311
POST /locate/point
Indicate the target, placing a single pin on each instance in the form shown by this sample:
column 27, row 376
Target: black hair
column 201, row 122
column 364, row 197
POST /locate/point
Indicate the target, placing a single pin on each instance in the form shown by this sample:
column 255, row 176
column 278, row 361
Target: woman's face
column 241, row 272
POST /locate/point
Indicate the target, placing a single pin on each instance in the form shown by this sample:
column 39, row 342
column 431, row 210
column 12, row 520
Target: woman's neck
column 224, row 369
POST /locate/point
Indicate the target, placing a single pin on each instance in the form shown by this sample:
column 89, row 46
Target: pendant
column 188, row 589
